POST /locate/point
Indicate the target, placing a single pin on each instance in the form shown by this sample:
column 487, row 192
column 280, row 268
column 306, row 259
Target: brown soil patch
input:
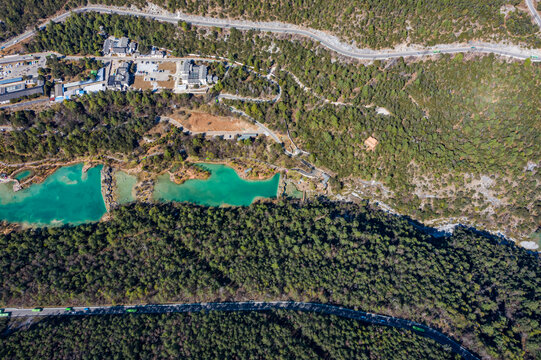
column 18, row 48
column 168, row 66
column 140, row 83
column 203, row 122
column 169, row 84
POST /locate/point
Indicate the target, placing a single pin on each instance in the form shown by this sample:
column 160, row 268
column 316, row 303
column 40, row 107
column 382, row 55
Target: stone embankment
column 107, row 187
column 144, row 190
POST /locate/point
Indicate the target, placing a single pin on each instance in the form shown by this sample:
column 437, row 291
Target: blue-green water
column 124, row 187
column 67, row 196
column 224, row 186
column 23, row 174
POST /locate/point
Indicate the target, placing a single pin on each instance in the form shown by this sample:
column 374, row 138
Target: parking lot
column 21, row 68
column 155, row 75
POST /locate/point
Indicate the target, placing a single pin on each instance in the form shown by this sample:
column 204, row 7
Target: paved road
column 42, row 55
column 23, row 104
column 326, row 40
column 263, row 128
column 257, row 306
column 534, row 12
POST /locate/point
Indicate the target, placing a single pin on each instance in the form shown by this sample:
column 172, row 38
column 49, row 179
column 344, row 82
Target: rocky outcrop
column 108, row 187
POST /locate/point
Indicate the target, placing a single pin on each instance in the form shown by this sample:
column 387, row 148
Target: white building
column 119, row 47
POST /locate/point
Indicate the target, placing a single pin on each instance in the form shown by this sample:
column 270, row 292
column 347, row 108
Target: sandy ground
column 16, row 49
column 202, row 122
column 140, row 83
column 169, row 84
column 168, row 66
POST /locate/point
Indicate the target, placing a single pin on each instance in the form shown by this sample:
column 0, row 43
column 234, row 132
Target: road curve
column 257, row 306
column 534, row 12
column 328, row 41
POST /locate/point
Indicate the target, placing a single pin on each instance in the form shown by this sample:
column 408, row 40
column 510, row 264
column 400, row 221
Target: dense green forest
column 240, row 81
column 269, row 335
column 484, row 292
column 17, row 15
column 453, row 119
column 372, row 23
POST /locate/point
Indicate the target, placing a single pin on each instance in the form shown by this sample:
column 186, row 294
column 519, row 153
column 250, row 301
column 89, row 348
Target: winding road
column 256, row 306
column 534, row 12
column 329, row 41
column 339, row 47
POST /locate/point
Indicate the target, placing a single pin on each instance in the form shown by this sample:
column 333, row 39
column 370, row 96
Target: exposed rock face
column 107, row 187
column 143, row 190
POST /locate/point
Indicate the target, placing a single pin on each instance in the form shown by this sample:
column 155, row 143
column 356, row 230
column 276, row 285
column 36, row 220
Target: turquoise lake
column 67, row 196
column 224, row 186
column 124, row 185
column 22, row 175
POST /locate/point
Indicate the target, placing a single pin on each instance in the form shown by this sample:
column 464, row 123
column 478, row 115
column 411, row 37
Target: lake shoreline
column 103, row 181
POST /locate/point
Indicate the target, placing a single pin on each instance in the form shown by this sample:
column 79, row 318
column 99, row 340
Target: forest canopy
column 269, row 335
column 483, row 291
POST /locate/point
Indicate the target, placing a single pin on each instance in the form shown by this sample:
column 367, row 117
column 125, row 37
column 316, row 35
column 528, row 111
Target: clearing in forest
column 203, row 122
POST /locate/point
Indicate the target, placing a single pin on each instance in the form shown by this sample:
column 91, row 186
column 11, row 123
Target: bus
column 4, row 314
column 418, row 328
column 131, row 310
column 37, row 309
column 69, row 308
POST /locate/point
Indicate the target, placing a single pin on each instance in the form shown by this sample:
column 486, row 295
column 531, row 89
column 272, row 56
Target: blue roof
column 246, row 136
column 9, row 81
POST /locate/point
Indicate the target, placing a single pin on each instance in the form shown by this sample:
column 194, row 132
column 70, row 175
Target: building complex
column 125, row 68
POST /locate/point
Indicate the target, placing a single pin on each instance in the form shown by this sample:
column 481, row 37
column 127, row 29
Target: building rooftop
column 122, row 77
column 21, row 93
column 193, row 74
column 122, row 42
column 9, row 81
column 120, row 46
column 59, row 90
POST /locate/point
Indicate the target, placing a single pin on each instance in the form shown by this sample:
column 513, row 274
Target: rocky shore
column 108, row 185
column 144, row 190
